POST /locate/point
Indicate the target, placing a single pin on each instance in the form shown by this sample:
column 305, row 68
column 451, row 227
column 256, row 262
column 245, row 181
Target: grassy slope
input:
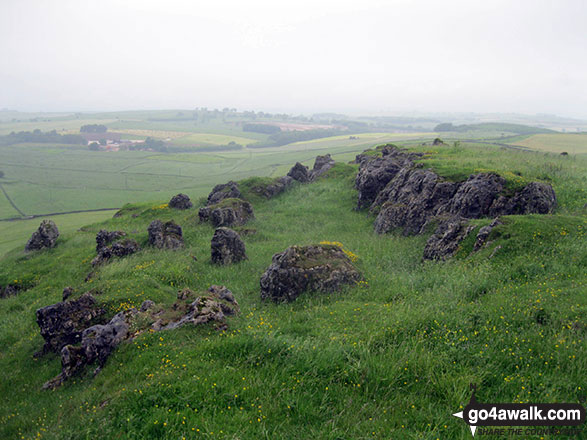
column 572, row 143
column 13, row 234
column 392, row 358
column 42, row 179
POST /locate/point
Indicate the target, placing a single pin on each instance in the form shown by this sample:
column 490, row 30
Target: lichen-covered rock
column 376, row 172
column 411, row 199
column 534, row 198
column 211, row 308
column 166, row 235
column 277, row 186
column 474, row 197
column 104, row 238
column 119, row 249
column 67, row 292
column 180, row 201
column 300, row 173
column 63, row 323
column 446, row 239
column 223, row 191
column 321, row 165
column 97, row 343
column 9, row 290
column 227, row 247
column 229, row 212
column 44, row 237
column 322, row 268
column 483, row 234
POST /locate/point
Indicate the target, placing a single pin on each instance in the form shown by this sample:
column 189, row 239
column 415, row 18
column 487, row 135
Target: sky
column 367, row 56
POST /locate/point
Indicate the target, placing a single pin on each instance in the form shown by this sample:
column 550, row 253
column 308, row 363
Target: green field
column 556, row 143
column 391, row 358
column 14, row 234
column 42, row 179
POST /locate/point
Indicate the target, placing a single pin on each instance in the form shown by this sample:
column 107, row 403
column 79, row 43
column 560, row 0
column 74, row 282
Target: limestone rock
column 229, row 212
column 44, row 237
column 180, row 201
column 322, row 268
column 63, row 323
column 446, row 239
column 228, row 190
column 166, row 235
column 321, row 165
column 227, row 247
column 300, row 173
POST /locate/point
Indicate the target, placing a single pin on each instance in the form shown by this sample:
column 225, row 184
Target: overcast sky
column 367, row 56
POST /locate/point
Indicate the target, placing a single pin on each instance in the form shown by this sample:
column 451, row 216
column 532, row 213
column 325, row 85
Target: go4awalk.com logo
column 567, row 417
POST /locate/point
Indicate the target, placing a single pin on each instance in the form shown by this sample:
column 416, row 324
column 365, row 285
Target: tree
column 93, row 128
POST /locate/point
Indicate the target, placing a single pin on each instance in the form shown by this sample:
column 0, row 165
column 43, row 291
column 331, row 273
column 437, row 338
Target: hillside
column 391, row 356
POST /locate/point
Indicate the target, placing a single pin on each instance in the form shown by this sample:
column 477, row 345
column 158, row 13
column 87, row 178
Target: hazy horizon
column 348, row 57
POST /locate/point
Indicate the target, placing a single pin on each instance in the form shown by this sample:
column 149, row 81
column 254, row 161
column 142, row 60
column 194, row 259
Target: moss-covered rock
column 322, row 268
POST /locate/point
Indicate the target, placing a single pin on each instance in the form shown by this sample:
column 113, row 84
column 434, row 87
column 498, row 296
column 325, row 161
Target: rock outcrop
column 180, row 201
column 535, row 198
column 277, row 186
column 300, row 173
column 483, row 234
column 322, row 268
column 44, row 237
column 223, row 191
column 63, row 323
column 229, row 212
column 321, row 165
column 227, row 247
column 104, row 238
column 376, row 172
column 214, row 307
column 9, row 290
column 407, row 196
column 411, row 199
column 446, row 239
column 119, row 249
column 166, row 235
column 82, row 342
column 97, row 343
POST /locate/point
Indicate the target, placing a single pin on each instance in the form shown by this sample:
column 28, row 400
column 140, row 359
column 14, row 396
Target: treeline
column 151, row 143
column 261, row 128
column 498, row 126
column 287, row 137
column 37, row 136
column 93, row 128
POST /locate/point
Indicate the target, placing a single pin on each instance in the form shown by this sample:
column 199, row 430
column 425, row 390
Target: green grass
column 575, row 143
column 391, row 358
column 41, row 179
column 14, row 234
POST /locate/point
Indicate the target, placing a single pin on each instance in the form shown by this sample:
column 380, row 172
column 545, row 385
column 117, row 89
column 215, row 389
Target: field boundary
column 11, row 202
column 28, row 217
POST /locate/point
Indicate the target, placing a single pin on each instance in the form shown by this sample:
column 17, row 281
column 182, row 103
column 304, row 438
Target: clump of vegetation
column 37, row 136
column 93, row 128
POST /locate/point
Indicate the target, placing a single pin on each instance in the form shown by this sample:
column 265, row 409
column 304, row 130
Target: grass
column 14, row 234
column 392, row 357
column 211, row 139
column 575, row 143
column 43, row 179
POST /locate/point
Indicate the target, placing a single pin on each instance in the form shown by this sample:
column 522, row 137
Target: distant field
column 44, row 179
column 211, row 139
column 58, row 124
column 14, row 234
column 556, row 143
